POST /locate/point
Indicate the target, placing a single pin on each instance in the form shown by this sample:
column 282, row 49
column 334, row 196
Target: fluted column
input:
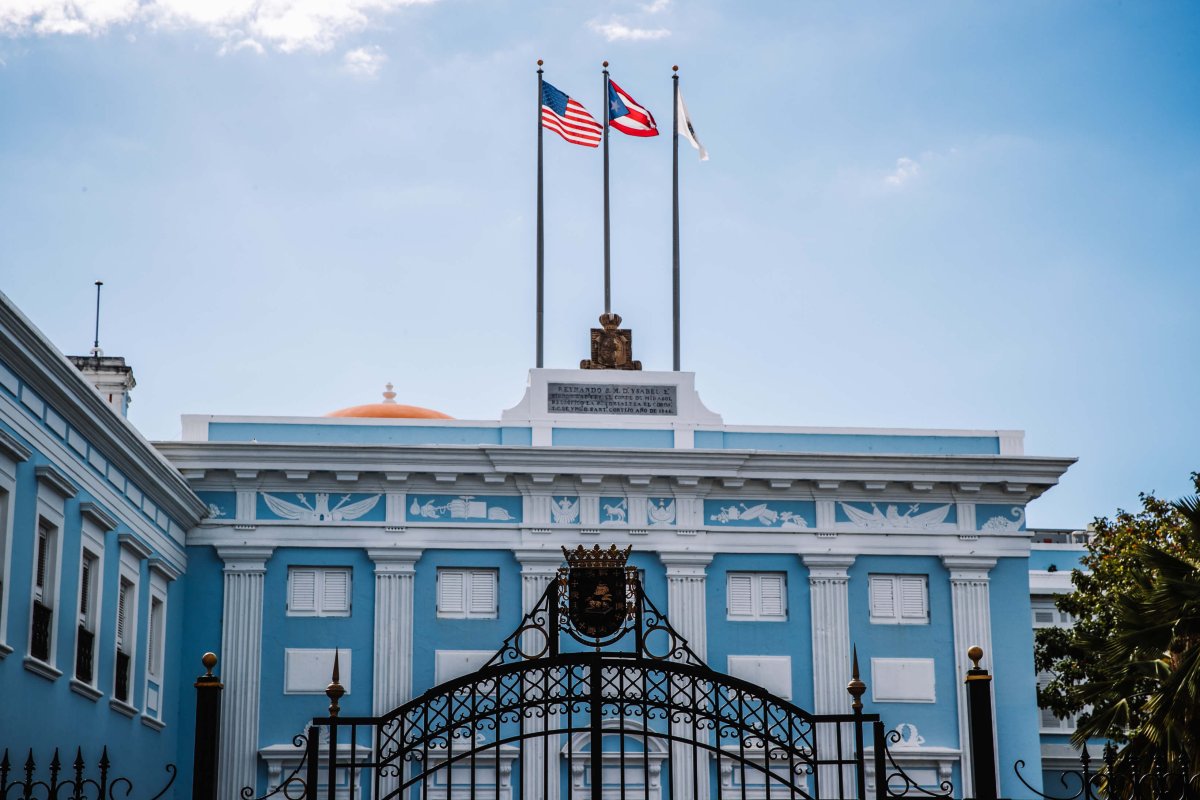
column 393, row 647
column 828, row 586
column 241, row 666
column 538, row 569
column 687, row 576
column 969, row 598
column 394, row 573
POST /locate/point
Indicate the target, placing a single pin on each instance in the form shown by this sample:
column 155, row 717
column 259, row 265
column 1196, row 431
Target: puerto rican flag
column 626, row 115
column 568, row 118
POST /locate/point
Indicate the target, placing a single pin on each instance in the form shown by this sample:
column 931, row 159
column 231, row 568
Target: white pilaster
column 393, row 658
column 687, row 575
column 538, row 569
column 828, row 586
column 241, row 666
column 394, row 573
column 970, row 598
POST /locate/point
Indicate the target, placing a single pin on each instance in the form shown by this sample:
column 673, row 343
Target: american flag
column 568, row 118
column 626, row 115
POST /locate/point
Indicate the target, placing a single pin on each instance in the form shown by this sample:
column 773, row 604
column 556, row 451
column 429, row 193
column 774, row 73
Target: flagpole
column 541, row 239
column 675, row 215
column 607, row 268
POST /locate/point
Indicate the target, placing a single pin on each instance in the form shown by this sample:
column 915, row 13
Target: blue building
column 412, row 544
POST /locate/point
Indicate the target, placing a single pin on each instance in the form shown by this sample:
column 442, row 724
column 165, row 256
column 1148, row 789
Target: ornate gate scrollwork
column 594, row 696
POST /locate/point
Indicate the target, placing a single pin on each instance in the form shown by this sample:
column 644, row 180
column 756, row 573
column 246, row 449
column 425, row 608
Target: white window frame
column 7, row 485
column 758, row 612
column 130, row 572
column 154, row 684
column 896, row 585
column 320, row 606
column 1058, row 619
column 94, row 525
column 53, row 489
column 469, row 577
column 11, row 453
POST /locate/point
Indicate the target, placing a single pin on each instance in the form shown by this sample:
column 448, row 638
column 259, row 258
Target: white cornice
column 48, row 372
column 12, row 448
column 56, row 479
column 98, row 515
column 1035, row 473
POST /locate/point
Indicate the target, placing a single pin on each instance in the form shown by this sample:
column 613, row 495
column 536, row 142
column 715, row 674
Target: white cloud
column 364, row 62
column 906, row 170
column 655, row 6
column 285, row 25
column 617, row 31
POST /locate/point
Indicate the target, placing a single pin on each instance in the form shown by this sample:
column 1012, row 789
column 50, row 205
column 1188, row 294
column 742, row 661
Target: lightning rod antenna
column 96, row 340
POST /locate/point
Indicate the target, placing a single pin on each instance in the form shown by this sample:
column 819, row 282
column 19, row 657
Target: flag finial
column 540, row 62
column 675, row 68
column 605, row 65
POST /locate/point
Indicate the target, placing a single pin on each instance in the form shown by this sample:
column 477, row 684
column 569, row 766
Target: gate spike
column 335, row 690
column 856, row 687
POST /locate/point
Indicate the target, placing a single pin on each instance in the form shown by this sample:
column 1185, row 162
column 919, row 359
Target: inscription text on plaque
column 611, row 398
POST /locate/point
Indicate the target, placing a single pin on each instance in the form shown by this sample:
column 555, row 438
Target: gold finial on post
column 335, row 690
column 675, row 68
column 540, row 62
column 975, row 653
column 856, row 687
column 209, row 660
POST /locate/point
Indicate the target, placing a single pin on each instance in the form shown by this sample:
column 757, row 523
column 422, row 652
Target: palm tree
column 1149, row 661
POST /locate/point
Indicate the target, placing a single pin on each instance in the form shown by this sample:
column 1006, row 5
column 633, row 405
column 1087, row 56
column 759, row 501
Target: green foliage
column 1131, row 664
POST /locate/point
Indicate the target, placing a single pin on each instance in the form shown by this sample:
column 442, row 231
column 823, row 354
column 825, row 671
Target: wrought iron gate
column 570, row 709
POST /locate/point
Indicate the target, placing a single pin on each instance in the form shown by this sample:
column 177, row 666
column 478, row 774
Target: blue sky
column 928, row 214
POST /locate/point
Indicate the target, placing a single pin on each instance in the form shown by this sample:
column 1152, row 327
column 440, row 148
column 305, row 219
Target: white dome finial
column 389, row 396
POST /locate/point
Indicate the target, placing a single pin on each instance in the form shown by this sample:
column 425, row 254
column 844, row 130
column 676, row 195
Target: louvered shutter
column 122, row 614
column 913, row 597
column 85, row 591
column 302, row 599
column 452, row 591
column 1047, row 719
column 483, row 594
column 771, row 595
column 883, row 597
column 42, row 555
column 740, row 595
column 335, row 591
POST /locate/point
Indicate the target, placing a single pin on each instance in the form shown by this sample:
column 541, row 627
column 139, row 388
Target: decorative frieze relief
column 1000, row 518
column 320, row 507
column 445, row 508
column 782, row 514
column 897, row 516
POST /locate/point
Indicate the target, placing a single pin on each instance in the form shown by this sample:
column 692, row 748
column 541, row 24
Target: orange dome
column 389, row 409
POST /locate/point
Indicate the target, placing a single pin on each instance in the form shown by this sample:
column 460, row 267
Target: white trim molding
column 970, row 599
column 241, row 656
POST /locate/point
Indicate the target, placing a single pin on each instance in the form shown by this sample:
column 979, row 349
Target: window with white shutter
column 124, row 597
column 43, row 579
column 318, row 592
column 898, row 599
column 467, row 593
column 1046, row 615
column 87, row 590
column 756, row 596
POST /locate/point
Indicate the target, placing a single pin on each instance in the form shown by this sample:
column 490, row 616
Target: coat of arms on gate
column 598, row 584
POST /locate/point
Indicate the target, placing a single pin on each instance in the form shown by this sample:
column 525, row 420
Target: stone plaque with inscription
column 611, row 398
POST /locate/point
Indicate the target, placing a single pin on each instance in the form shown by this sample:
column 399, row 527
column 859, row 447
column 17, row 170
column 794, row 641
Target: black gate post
column 208, row 731
column 979, row 716
column 597, row 737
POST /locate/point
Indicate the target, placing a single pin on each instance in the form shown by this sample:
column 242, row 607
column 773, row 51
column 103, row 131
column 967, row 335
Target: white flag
column 685, row 128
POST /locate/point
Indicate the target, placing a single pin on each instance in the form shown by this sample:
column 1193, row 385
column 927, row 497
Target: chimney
column 111, row 377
